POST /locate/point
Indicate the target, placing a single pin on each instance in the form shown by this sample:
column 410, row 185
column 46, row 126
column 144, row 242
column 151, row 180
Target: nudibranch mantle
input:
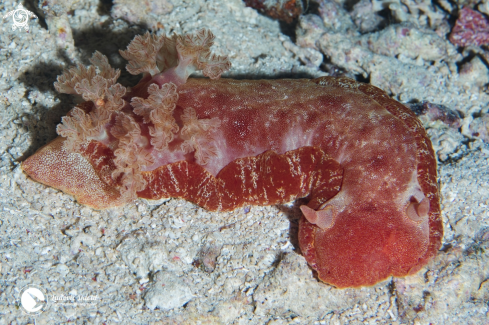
column 361, row 160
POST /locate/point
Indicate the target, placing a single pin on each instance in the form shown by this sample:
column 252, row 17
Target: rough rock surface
column 241, row 267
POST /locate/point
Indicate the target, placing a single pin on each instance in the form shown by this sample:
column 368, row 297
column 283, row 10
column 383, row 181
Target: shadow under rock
column 105, row 7
column 294, row 214
column 281, row 75
column 32, row 5
column 41, row 123
column 41, row 76
column 108, row 42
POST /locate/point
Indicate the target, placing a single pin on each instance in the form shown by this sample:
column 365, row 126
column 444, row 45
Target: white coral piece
column 415, row 11
column 484, row 7
column 423, row 10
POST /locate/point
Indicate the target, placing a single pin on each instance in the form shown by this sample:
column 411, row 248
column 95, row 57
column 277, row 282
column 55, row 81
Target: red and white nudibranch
column 362, row 161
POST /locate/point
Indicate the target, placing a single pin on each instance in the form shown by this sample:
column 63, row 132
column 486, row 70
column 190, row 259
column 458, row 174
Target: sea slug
column 361, row 160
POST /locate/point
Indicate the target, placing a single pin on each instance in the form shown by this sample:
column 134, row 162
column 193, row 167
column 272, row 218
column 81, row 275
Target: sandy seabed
column 175, row 263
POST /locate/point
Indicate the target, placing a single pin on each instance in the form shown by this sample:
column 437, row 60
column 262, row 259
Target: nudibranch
column 361, row 160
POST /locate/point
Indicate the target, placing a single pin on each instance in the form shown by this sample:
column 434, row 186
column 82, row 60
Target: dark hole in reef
column 445, row 248
column 484, row 58
column 293, row 213
column 392, row 288
column 467, row 59
column 349, row 4
column 310, row 7
column 259, row 57
column 363, row 79
column 278, row 259
column 104, row 7
column 31, row 5
column 452, row 18
column 289, row 29
column 418, row 308
column 440, row 7
column 333, row 70
column 388, row 17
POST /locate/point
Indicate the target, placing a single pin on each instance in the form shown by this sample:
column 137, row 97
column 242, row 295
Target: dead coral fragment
column 418, row 12
column 198, row 136
column 365, row 17
column 471, row 28
column 158, row 109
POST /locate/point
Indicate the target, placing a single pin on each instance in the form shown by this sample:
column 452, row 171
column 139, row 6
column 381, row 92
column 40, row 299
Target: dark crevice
column 105, row 7
column 289, row 29
column 32, row 5
column 41, row 122
column 361, row 78
column 349, row 4
column 466, row 59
